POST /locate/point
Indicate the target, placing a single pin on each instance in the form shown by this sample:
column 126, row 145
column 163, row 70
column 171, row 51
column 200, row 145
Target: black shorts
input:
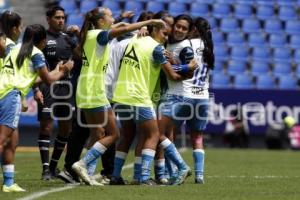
column 58, row 102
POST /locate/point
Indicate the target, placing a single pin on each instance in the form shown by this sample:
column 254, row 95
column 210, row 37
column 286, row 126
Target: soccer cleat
column 80, row 169
column 148, row 182
column 181, row 177
column 162, row 181
column 13, row 188
column 199, row 180
column 54, row 173
column 67, row 177
column 46, row 175
column 95, row 183
column 117, row 181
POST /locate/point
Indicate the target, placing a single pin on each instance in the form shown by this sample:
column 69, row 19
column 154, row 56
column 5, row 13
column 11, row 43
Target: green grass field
column 229, row 174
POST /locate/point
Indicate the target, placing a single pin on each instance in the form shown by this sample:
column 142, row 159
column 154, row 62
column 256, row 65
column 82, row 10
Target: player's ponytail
column 205, row 34
column 33, row 35
column 90, row 22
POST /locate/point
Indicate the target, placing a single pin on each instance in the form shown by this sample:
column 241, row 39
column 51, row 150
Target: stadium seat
column 112, row 5
column 295, row 41
column 256, row 40
column 242, row 11
column 175, row 8
column 69, row 6
column 197, row 10
column 296, row 57
column 243, row 81
column 221, row 10
column 219, row 67
column 236, row 67
column 282, row 54
column 221, row 52
column 286, row 2
column 218, row 37
column 261, row 54
column 245, row 2
column 154, row 6
column 235, row 39
column 213, row 22
column 265, row 2
column 259, row 68
column 229, row 25
column 75, row 19
column 135, row 6
column 297, row 72
column 264, row 12
column 277, row 40
column 87, row 5
column 185, row 1
column 251, row 25
column 273, row 26
column 239, row 53
column 265, row 81
column 292, row 27
column 205, row 1
column 287, row 82
column 287, row 13
column 220, row 80
column 282, row 68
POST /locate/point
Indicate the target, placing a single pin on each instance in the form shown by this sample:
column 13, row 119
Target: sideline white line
column 255, row 177
column 44, row 193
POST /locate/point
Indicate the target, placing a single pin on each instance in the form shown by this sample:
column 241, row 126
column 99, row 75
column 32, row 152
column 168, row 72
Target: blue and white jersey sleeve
column 103, row 38
column 8, row 48
column 38, row 61
column 158, row 55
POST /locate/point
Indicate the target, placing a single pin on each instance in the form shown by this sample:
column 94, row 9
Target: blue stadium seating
column 292, row 27
column 287, row 13
column 75, row 19
column 295, row 41
column 243, row 81
column 154, row 6
column 265, row 81
column 197, row 10
column 235, row 39
column 212, row 21
column 205, row 1
column 287, row 82
column 87, row 5
column 296, row 57
column 286, row 2
column 242, row 11
column 220, row 80
column 297, row 72
column 282, row 54
column 229, row 25
column 221, row 52
column 175, row 8
column 256, row 40
column 218, row 37
column 273, row 26
column 112, row 5
column 246, row 2
column 261, row 54
column 135, row 6
column 251, row 25
column 277, row 40
column 264, row 2
column 264, row 12
column 221, row 10
column 236, row 67
column 259, row 68
column 219, row 67
column 282, row 68
column 239, row 53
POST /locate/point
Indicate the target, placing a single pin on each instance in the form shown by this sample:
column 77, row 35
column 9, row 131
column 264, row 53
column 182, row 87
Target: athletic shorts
column 136, row 113
column 10, row 109
column 58, row 101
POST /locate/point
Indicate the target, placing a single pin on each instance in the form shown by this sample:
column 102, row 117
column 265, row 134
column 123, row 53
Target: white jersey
column 117, row 49
column 197, row 87
column 176, row 87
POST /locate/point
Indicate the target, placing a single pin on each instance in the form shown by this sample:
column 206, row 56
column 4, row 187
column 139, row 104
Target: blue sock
column 172, row 153
column 171, row 169
column 8, row 174
column 159, row 168
column 198, row 155
column 147, row 158
column 94, row 153
column 137, row 168
column 120, row 158
column 91, row 167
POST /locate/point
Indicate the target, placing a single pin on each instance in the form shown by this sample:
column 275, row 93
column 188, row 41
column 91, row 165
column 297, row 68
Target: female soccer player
column 21, row 68
column 96, row 32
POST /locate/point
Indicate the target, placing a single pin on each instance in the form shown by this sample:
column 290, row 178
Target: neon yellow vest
column 12, row 77
column 8, row 41
column 91, row 88
column 138, row 74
